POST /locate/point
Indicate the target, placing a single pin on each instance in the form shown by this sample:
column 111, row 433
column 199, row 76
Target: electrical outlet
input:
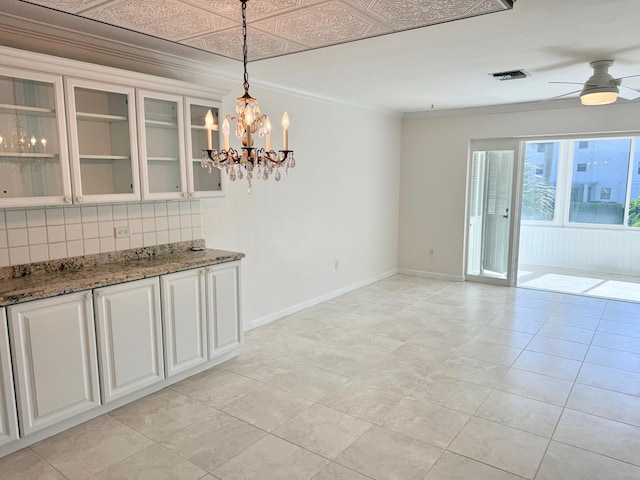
column 122, row 232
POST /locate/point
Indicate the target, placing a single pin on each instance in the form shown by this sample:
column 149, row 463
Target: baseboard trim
column 434, row 275
column 259, row 322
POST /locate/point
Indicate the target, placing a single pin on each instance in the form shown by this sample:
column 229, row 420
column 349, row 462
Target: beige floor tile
column 400, row 328
column 474, row 371
column 309, row 382
column 610, row 378
column 424, row 421
column 592, row 311
column 558, row 367
column 564, row 462
column 103, row 442
column 366, row 402
column 500, row 446
column 260, row 367
column 385, row 455
column 608, row 357
column 619, row 328
column 218, row 388
column 488, row 352
column 160, row 415
column 333, row 471
column 503, row 336
column 520, row 412
column 267, row 407
column 564, row 332
column 536, row 386
column 575, row 321
column 15, row 456
column 28, row 466
column 599, row 435
column 441, row 340
column 526, row 313
column 605, row 403
column 214, row 441
column 516, row 324
column 153, row 463
column 272, row 459
column 617, row 342
column 451, row 466
column 558, row 347
column 452, row 393
column 322, row 430
column 621, row 315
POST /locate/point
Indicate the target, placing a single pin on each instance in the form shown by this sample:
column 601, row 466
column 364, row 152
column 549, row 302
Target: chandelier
column 250, row 162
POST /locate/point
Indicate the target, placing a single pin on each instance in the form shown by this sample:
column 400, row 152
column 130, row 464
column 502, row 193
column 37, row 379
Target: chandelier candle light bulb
column 259, row 163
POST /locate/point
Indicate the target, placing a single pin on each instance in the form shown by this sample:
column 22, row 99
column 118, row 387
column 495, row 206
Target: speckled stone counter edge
column 22, row 283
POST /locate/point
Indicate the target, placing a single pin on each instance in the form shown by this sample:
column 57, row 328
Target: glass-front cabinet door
column 102, row 137
column 203, row 182
column 34, row 164
column 163, row 168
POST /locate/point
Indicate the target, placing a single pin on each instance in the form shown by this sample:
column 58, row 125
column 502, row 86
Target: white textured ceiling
column 446, row 65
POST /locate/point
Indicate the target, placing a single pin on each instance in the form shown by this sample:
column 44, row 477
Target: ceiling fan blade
column 627, row 76
column 628, row 93
column 561, row 96
column 570, row 83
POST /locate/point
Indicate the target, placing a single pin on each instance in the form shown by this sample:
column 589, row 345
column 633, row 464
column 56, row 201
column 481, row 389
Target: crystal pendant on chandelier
column 249, row 120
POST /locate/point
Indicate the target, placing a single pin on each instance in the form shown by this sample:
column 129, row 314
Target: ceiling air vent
column 511, row 75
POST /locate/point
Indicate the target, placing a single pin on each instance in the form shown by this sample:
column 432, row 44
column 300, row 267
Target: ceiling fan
column 601, row 88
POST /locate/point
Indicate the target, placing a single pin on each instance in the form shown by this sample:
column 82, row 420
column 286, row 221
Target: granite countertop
column 33, row 281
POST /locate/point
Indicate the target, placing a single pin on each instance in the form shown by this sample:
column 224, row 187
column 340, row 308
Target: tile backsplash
column 37, row 234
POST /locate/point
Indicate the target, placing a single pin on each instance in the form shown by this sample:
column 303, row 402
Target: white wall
column 434, row 168
column 340, row 203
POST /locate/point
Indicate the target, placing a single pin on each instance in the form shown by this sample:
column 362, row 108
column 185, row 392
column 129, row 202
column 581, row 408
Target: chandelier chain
column 245, row 49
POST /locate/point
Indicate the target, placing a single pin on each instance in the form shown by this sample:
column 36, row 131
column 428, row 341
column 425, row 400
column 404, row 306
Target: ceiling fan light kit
column 601, row 88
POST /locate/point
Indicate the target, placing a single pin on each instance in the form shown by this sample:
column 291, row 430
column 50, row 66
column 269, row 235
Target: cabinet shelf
column 25, row 109
column 160, row 123
column 27, row 155
column 104, row 157
column 100, row 117
column 162, row 159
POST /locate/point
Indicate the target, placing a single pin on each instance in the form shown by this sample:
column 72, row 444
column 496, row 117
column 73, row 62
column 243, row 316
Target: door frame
column 515, row 144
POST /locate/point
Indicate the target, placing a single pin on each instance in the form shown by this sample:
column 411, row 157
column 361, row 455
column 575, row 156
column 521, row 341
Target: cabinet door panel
column 8, row 419
column 224, row 309
column 129, row 337
column 184, row 320
column 55, row 359
column 34, row 164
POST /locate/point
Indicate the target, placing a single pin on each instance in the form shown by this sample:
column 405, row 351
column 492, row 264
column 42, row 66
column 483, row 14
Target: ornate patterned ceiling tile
column 69, row 6
column 406, row 14
column 321, row 25
column 256, row 9
column 168, row 19
column 229, row 44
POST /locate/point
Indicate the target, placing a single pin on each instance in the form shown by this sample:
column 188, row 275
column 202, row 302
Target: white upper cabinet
column 34, row 168
column 163, row 168
column 202, row 181
column 102, row 140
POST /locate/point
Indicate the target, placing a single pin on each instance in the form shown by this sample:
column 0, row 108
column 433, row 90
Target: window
column 583, row 182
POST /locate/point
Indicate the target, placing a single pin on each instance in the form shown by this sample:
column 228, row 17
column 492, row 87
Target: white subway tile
column 54, row 216
column 174, row 236
column 196, row 220
column 17, row 237
column 106, row 229
column 197, row 233
column 72, row 215
column 149, row 239
column 148, row 225
column 91, row 246
column 120, row 211
column 120, row 223
column 75, row 248
column 37, row 235
column 173, row 208
column 133, row 210
column 185, row 208
column 174, row 222
column 160, row 209
column 162, row 238
column 90, row 230
column 57, row 250
column 136, row 225
column 3, row 239
column 74, row 231
column 185, row 221
column 55, row 233
column 162, row 223
column 136, row 240
column 39, row 253
column 4, row 257
column 3, row 223
column 186, row 234
column 147, row 210
column 89, row 213
column 36, row 217
column 16, row 219
column 18, row 255
column 122, row 244
column 195, row 206
column 105, row 213
column 107, row 244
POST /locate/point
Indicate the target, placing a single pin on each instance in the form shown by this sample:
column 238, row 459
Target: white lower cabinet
column 8, row 418
column 223, row 308
column 54, row 359
column 184, row 318
column 129, row 332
